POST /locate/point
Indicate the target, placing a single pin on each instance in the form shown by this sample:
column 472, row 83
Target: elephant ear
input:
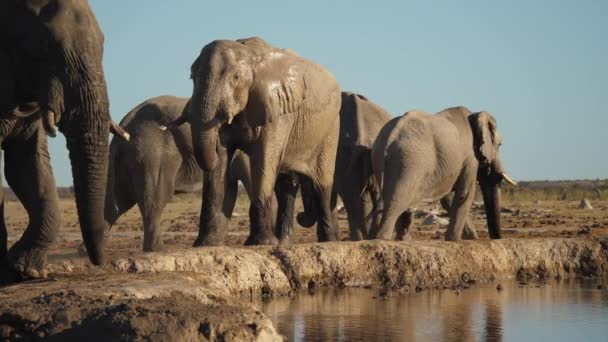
column 270, row 99
column 483, row 126
column 180, row 120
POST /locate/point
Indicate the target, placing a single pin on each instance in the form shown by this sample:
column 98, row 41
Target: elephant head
column 55, row 49
column 491, row 172
column 222, row 75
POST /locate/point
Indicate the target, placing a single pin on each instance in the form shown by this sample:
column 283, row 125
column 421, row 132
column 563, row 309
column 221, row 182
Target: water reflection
column 560, row 311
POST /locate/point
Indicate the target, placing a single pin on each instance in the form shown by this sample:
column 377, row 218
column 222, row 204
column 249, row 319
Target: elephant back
column 360, row 120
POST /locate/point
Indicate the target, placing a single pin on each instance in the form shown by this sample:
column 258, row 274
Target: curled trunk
column 205, row 149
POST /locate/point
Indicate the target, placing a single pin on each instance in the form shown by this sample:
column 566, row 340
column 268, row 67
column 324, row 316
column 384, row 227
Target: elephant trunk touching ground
column 85, row 122
column 489, row 184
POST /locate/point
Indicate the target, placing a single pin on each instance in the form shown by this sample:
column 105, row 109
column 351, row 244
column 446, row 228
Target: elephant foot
column 208, row 241
column 305, row 221
column 156, row 247
column 467, row 235
column 451, row 237
column 384, row 235
column 285, row 240
column 262, row 238
column 28, row 262
column 407, row 237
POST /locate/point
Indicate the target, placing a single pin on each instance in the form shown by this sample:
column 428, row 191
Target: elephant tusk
column 173, row 124
column 49, row 124
column 508, row 179
column 230, row 119
column 119, row 131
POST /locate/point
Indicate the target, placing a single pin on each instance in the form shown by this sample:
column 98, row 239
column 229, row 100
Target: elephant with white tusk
column 277, row 107
column 419, row 157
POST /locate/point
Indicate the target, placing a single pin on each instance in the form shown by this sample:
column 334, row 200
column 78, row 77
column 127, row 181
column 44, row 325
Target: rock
column 434, row 219
column 585, row 204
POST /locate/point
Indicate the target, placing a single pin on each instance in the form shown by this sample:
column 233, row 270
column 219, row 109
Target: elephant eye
column 236, row 77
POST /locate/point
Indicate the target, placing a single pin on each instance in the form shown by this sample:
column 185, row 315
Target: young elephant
column 155, row 164
column 420, row 157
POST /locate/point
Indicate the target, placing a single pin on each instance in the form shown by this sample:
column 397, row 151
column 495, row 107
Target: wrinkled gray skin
column 360, row 122
column 52, row 75
column 419, row 157
column 154, row 164
column 281, row 110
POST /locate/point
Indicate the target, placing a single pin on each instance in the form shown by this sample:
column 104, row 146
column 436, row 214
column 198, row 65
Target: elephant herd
column 258, row 114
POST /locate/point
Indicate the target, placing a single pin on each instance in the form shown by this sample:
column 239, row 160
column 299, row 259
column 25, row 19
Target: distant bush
column 557, row 190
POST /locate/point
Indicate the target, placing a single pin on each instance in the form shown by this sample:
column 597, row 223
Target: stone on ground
column 585, row 204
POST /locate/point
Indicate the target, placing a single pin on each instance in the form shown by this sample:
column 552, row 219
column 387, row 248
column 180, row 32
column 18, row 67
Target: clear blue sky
column 540, row 67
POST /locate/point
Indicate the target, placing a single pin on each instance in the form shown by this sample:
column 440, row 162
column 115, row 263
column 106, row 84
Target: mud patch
column 67, row 315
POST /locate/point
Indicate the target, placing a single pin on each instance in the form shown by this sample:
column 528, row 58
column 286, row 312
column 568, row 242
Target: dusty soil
column 207, row 293
column 180, row 225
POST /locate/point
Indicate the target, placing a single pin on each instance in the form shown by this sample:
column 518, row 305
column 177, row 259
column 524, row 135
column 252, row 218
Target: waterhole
column 552, row 311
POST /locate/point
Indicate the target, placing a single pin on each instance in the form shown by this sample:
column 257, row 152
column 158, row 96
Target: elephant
column 281, row 110
column 420, row 156
column 52, row 76
column 360, row 122
column 154, row 164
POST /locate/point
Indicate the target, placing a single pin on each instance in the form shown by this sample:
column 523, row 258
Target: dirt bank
column 204, row 293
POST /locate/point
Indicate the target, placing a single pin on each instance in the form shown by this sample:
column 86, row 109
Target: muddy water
column 555, row 311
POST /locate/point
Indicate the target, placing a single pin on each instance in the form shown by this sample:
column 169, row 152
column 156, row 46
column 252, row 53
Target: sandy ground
column 180, row 225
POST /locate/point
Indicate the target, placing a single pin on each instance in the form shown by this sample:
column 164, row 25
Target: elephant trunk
column 86, row 128
column 491, row 200
column 89, row 169
column 205, row 149
column 490, row 190
column 204, row 111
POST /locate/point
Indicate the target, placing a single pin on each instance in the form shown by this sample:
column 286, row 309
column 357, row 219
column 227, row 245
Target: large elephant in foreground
column 360, row 122
column 154, row 164
column 419, row 157
column 52, row 76
column 277, row 107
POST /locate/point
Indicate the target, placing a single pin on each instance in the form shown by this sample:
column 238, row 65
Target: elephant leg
column 264, row 167
column 29, row 174
column 469, row 232
column 327, row 220
column 219, row 197
column 403, row 226
column 286, row 190
column 398, row 196
column 355, row 213
column 308, row 217
column 461, row 203
column 154, row 189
